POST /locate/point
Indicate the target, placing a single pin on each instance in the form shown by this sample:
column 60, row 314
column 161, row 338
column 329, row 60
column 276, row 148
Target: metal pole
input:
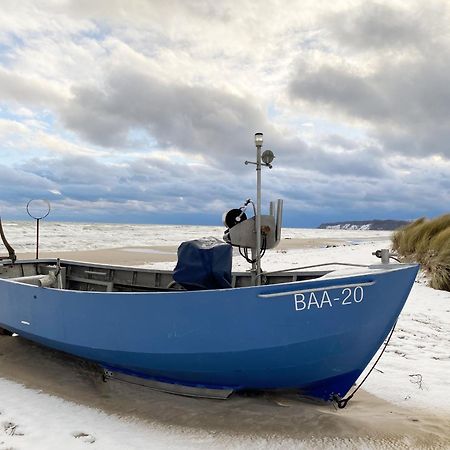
column 37, row 238
column 258, row 215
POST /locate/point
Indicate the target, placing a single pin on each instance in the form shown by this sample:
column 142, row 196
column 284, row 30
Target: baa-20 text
column 321, row 299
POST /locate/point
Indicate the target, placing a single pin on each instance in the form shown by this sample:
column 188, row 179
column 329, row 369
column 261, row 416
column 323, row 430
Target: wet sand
column 278, row 417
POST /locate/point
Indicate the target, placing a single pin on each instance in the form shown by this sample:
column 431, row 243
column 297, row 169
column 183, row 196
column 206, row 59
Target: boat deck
column 82, row 276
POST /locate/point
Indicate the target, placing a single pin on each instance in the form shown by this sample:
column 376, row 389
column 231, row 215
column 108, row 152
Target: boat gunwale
column 379, row 268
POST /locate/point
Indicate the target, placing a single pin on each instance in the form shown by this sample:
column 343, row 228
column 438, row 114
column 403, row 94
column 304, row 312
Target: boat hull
column 316, row 336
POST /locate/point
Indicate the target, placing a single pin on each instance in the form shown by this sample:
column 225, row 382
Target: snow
column 32, row 420
column 416, row 364
column 349, row 226
column 411, row 382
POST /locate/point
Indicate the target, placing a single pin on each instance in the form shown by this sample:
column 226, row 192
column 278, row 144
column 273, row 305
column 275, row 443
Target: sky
column 144, row 111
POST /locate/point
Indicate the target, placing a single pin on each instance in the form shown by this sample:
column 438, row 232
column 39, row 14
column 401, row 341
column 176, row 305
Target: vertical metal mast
column 258, row 143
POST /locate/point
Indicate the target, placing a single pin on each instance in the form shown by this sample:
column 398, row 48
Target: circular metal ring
column 41, row 216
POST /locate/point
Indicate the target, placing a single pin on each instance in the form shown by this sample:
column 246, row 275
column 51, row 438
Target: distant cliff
column 365, row 225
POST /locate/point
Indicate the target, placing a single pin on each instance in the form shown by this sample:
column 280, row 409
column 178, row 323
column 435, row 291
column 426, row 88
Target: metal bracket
column 170, row 388
column 384, row 254
column 255, row 164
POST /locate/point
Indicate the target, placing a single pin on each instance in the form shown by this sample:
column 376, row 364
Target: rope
column 244, row 252
column 342, row 402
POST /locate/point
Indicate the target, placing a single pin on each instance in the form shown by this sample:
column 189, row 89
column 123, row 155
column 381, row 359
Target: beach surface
column 50, row 400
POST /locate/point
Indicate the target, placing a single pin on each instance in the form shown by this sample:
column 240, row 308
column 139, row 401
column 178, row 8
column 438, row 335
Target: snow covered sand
column 51, row 401
column 49, row 414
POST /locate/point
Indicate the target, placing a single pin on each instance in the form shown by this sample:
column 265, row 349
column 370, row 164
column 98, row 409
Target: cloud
column 156, row 183
column 194, row 119
column 9, row 128
column 28, row 90
column 402, row 97
column 385, row 26
column 197, row 119
column 17, row 187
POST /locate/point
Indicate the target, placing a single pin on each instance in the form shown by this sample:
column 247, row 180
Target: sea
column 76, row 236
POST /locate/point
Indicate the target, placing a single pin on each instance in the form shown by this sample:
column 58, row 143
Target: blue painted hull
column 263, row 337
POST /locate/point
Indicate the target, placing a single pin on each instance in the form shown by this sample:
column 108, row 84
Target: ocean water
column 72, row 236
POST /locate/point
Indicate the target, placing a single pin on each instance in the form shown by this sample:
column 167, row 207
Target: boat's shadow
column 262, row 414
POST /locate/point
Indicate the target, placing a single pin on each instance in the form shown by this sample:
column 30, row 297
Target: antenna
column 38, row 209
column 261, row 160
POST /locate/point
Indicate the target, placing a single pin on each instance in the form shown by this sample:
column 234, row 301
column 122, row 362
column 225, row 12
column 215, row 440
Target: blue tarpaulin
column 204, row 264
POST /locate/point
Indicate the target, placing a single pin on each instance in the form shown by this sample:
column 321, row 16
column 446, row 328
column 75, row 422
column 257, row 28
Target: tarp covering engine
column 204, row 264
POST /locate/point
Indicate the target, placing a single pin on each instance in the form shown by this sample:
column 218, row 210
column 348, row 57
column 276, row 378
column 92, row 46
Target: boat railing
column 290, row 269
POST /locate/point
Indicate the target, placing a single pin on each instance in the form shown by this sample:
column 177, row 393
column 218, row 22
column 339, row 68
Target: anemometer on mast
column 260, row 232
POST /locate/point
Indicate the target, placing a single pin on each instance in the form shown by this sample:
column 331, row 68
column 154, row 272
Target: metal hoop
column 41, row 200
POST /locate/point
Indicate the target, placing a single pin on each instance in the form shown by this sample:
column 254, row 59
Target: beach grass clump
column 404, row 240
column 430, row 231
column 440, row 270
column 427, row 242
column 440, row 241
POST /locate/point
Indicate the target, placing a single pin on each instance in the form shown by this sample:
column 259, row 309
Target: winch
column 241, row 231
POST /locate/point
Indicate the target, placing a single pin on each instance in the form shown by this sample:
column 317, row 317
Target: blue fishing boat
column 203, row 330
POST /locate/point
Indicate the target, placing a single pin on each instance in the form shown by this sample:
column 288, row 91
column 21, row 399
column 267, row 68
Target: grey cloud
column 153, row 182
column 406, row 104
column 202, row 120
column 197, row 120
column 20, row 186
column 405, row 100
column 26, row 90
column 152, row 185
column 336, row 140
column 376, row 25
column 325, row 160
column 409, row 189
column 160, row 184
column 79, row 170
column 193, row 118
column 397, row 94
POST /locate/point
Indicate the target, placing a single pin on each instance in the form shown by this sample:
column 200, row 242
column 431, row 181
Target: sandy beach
column 260, row 420
column 138, row 256
column 128, row 256
column 369, row 422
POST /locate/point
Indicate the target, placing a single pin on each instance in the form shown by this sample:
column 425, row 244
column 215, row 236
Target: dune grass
column 427, row 242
